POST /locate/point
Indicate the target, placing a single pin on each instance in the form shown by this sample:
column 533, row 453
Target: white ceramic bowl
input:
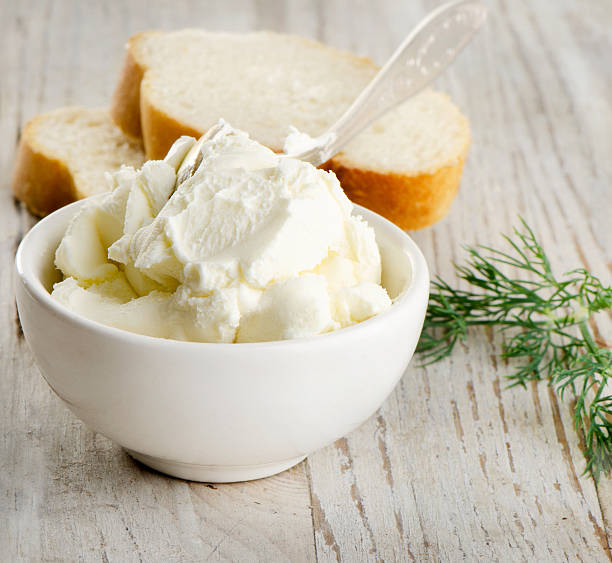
column 220, row 412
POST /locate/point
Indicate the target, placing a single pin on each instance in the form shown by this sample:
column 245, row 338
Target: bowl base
column 214, row 473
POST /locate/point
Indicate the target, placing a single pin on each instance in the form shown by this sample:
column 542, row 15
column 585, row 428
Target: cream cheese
column 252, row 247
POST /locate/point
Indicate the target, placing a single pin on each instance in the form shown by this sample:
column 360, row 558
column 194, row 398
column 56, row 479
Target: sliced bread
column 406, row 166
column 63, row 155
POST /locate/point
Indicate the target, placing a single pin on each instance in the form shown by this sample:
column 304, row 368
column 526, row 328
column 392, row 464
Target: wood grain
column 454, row 465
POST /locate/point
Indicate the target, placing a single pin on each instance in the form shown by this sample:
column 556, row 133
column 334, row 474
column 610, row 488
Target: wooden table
column 454, row 465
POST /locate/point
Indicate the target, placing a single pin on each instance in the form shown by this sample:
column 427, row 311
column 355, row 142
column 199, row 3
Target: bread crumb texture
column 64, row 154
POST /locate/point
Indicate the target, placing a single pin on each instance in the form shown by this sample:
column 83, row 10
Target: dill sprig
column 545, row 324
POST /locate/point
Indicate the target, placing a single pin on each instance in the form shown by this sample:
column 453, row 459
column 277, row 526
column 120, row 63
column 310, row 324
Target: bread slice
column 406, row 166
column 63, row 155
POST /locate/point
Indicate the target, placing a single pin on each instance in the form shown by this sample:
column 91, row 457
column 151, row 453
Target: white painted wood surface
column 453, row 466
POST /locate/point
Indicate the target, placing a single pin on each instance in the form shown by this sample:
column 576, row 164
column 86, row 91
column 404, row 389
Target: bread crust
column 159, row 130
column 40, row 181
column 125, row 105
column 411, row 202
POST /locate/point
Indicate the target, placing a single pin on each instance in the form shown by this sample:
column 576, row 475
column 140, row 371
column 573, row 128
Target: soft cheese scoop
column 252, row 247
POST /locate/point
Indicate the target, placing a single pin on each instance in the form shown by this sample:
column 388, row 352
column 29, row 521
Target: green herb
column 545, row 323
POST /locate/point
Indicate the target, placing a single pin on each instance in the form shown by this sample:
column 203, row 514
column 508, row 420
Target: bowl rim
column 409, row 297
